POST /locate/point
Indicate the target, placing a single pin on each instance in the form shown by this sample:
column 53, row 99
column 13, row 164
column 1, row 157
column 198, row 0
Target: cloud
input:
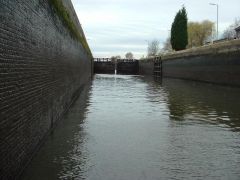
column 117, row 26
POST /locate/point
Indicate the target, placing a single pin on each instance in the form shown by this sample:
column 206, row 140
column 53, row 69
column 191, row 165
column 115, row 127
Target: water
column 135, row 128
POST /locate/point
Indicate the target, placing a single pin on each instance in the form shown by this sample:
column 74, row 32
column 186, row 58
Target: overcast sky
column 114, row 27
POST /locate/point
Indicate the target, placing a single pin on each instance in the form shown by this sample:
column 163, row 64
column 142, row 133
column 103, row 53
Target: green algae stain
column 63, row 13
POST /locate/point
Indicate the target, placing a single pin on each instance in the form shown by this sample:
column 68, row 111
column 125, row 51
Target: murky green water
column 135, row 128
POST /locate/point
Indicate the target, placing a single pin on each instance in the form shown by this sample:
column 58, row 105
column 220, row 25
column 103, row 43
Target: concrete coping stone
column 221, row 47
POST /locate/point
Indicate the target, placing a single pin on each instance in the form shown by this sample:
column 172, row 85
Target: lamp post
column 147, row 41
column 214, row 4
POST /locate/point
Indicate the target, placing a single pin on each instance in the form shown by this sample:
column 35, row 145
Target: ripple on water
column 132, row 127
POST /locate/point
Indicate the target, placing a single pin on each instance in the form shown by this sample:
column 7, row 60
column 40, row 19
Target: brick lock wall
column 219, row 68
column 218, row 63
column 41, row 69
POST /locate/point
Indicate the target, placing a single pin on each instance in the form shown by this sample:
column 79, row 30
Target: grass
column 64, row 15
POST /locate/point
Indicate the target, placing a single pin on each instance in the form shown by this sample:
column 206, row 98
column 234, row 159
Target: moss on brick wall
column 65, row 16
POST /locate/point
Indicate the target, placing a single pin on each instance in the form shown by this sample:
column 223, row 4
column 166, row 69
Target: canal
column 136, row 128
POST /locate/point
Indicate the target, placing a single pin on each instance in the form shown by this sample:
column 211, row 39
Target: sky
column 115, row 27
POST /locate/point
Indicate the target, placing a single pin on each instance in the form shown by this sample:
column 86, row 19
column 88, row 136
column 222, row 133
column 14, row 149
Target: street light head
column 213, row 4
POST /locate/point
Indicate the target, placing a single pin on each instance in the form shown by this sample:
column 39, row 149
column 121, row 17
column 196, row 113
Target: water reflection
column 204, row 102
column 189, row 100
column 195, row 147
column 133, row 127
column 64, row 154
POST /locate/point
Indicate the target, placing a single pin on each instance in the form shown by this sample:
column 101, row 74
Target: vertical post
column 92, row 67
column 213, row 4
column 115, row 65
column 217, row 21
column 161, row 63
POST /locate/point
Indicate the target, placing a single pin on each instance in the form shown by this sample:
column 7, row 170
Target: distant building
column 237, row 32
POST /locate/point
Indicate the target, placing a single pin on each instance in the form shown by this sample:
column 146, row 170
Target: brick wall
column 218, row 64
column 42, row 68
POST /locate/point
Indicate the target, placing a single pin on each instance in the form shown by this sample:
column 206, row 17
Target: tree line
column 190, row 34
column 186, row 34
column 128, row 55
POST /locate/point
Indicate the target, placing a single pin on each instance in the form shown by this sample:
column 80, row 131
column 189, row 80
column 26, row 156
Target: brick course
column 41, row 68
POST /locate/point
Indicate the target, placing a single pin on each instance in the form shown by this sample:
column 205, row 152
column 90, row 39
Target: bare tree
column 115, row 58
column 153, row 48
column 129, row 55
column 118, row 57
column 167, row 47
column 230, row 32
